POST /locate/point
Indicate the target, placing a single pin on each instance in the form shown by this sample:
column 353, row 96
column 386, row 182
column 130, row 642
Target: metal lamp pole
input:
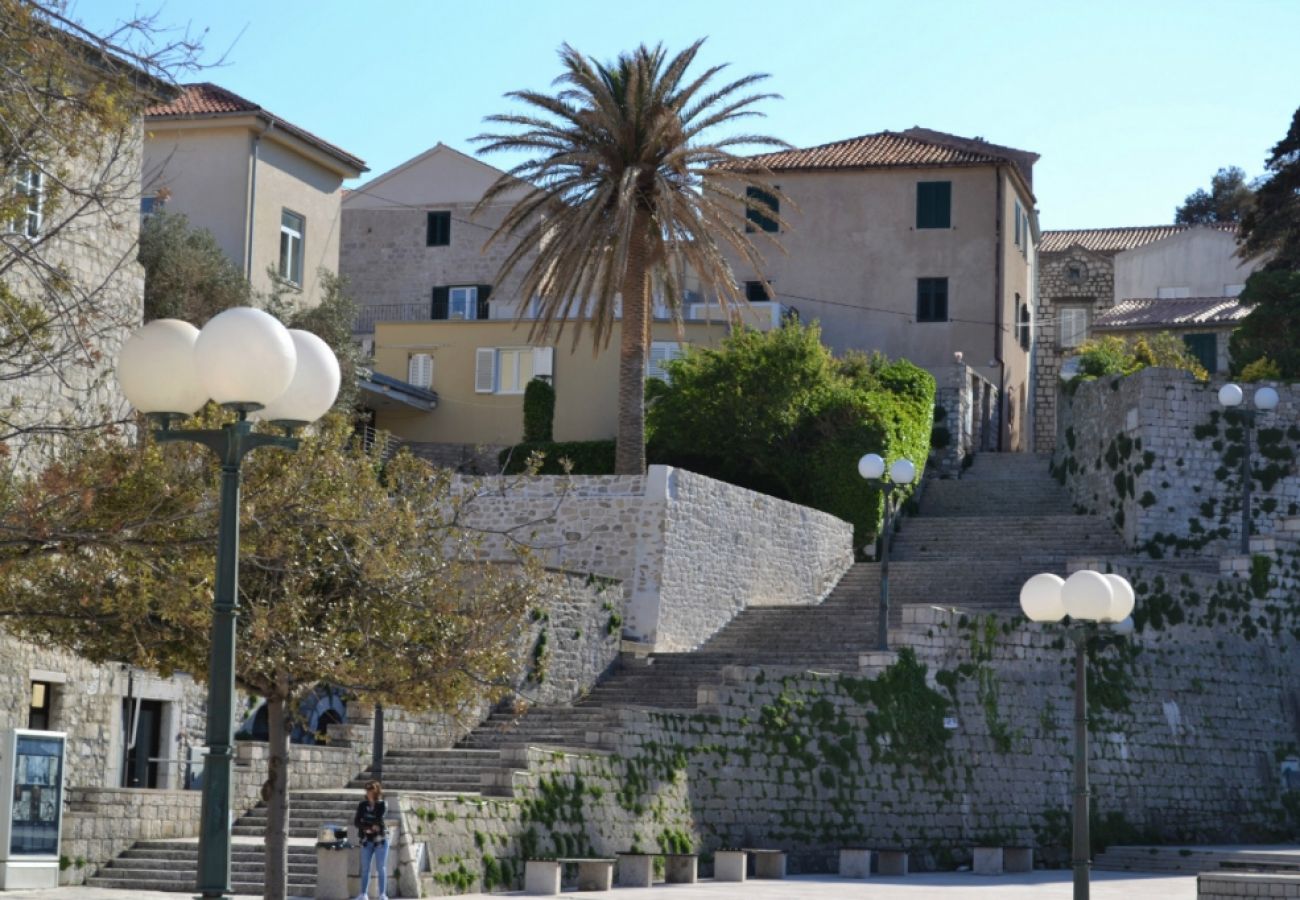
column 901, row 474
column 1266, row 399
column 247, row 362
column 1088, row 599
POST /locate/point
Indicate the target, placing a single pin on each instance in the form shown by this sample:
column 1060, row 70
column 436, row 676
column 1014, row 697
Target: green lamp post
column 246, row 361
column 901, row 474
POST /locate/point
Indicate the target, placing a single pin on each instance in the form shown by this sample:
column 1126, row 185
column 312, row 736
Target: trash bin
column 332, row 846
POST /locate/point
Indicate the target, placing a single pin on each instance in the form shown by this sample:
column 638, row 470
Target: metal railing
column 367, row 316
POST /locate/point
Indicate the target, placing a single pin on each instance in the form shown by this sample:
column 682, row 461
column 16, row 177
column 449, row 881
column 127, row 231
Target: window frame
column 29, row 182
column 471, row 304
column 1072, row 308
column 519, row 353
column 437, row 228
column 287, row 232
column 669, row 350
column 926, row 310
column 927, row 211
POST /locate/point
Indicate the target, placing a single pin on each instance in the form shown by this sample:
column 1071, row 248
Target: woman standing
column 372, row 831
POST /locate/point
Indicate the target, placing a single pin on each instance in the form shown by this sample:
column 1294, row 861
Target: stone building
column 1175, row 278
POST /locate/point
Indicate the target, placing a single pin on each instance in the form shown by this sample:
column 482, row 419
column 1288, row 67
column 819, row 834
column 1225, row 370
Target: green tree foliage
column 1229, row 199
column 1114, row 355
column 539, row 411
column 186, row 274
column 353, row 571
column 1273, row 327
column 1272, row 227
column 776, row 412
column 613, row 201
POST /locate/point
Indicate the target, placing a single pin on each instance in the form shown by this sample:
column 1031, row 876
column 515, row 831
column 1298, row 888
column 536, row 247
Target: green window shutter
column 932, row 299
column 484, row 291
column 438, row 229
column 440, row 303
column 1205, row 347
column 754, row 218
column 934, row 204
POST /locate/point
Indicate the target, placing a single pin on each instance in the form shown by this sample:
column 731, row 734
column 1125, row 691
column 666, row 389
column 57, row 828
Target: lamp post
column 246, row 361
column 1231, row 397
column 901, row 473
column 1090, row 600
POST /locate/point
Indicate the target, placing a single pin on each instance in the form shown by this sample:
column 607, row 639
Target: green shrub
column 1114, row 355
column 586, row 457
column 776, row 412
column 1262, row 369
column 539, row 411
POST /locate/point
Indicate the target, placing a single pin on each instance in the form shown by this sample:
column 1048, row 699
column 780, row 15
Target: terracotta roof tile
column 1113, row 240
column 1183, row 312
column 913, row 148
column 207, row 99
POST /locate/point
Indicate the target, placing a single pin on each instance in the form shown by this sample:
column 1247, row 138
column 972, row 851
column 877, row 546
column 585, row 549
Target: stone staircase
column 458, row 771
column 1190, row 860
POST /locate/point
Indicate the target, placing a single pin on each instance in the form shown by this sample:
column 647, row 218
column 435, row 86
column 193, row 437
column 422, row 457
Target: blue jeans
column 379, row 853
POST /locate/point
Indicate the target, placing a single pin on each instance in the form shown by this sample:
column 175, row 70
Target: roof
column 1113, row 240
column 1182, row 312
column 914, row 148
column 207, row 100
column 385, row 392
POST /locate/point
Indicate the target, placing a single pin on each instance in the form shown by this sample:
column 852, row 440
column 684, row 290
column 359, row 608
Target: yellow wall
column 586, row 387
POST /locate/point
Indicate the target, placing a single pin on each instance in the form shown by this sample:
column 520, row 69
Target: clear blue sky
column 1132, row 105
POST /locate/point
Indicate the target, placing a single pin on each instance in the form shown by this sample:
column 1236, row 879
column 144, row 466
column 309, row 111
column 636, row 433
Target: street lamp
column 1090, row 600
column 1231, row 397
column 901, row 473
column 246, row 361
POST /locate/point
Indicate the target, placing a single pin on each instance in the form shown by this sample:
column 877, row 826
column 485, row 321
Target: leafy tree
column 776, row 412
column 70, row 103
column 1111, row 354
column 1272, row 228
column 1229, row 199
column 186, row 273
column 1272, row 329
column 613, row 201
column 353, row 571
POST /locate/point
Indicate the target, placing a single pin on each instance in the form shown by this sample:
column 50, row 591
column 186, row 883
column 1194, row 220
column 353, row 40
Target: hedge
column 588, row 457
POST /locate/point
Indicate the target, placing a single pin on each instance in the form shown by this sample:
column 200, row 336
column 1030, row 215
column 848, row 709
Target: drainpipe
column 252, row 202
column 998, row 311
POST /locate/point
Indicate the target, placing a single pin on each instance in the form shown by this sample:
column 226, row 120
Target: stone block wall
column 1234, row 885
column 1157, row 454
column 691, row 552
column 1093, row 287
column 969, row 406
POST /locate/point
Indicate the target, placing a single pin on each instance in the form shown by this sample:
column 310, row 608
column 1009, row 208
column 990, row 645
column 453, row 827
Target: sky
column 1131, row 105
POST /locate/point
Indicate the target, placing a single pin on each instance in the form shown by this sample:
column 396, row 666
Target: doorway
column 143, row 742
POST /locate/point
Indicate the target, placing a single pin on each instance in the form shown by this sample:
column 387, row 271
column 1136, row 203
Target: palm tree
column 615, row 201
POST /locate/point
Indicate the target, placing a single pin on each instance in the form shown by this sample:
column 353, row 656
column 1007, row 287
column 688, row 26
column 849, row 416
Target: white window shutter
column 543, row 362
column 485, row 364
column 661, row 352
column 419, row 370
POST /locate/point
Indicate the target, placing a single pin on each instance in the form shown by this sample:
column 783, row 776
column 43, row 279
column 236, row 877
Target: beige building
column 1178, row 278
column 919, row 244
column 268, row 190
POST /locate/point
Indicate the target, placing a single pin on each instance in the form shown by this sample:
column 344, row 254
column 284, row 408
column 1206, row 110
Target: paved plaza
column 1041, row 885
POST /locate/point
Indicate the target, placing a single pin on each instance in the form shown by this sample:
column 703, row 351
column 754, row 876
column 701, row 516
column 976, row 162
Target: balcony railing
column 756, row 315
column 367, row 316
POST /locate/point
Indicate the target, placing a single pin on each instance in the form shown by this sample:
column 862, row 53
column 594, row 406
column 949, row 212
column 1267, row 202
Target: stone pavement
column 1040, row 885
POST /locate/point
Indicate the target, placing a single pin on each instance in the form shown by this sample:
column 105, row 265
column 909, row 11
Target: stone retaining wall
column 1231, row 885
column 690, row 551
column 1156, row 453
column 969, row 404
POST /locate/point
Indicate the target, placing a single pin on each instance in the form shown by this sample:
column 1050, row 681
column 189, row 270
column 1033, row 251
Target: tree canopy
column 1272, row 330
column 1229, row 199
column 1271, row 229
column 613, row 201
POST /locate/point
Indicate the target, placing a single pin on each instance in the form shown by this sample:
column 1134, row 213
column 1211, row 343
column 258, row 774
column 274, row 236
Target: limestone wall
column 969, row 405
column 1157, row 454
column 691, row 552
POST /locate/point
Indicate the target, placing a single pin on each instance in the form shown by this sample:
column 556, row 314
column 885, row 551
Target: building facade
column 919, row 244
column 269, row 191
column 1174, row 278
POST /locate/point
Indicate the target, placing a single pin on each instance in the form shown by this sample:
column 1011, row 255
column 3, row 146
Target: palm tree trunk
column 276, row 793
column 634, row 341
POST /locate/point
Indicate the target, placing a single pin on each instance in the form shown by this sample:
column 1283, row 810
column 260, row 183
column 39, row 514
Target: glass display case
column 31, row 794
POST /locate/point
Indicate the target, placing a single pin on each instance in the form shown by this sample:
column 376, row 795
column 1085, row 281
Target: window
column 507, row 370
column 461, row 301
column 1205, row 347
column 1074, row 272
column 39, row 716
column 754, row 218
column 419, row 370
column 1018, row 219
column 1023, row 325
column 29, row 183
column 1072, row 325
column 934, row 204
column 756, row 292
column 438, row 229
column 1173, row 293
column 1027, row 238
column 150, row 205
column 932, row 299
column 660, row 353
column 292, row 229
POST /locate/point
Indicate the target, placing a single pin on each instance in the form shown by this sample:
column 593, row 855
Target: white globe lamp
column 157, row 372
column 1123, row 598
column 1230, row 395
column 1087, row 596
column 314, row 387
column 1040, row 598
column 903, row 471
column 245, row 358
column 871, row 466
column 1266, row 399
